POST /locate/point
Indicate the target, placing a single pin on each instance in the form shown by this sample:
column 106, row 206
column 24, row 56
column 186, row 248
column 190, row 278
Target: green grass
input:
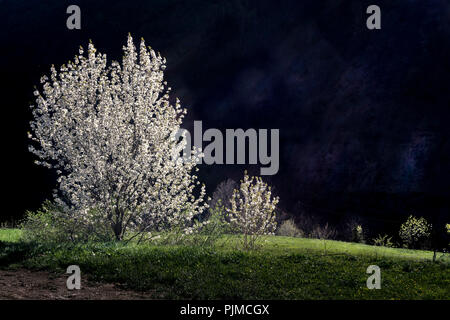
column 284, row 268
column 288, row 244
column 10, row 235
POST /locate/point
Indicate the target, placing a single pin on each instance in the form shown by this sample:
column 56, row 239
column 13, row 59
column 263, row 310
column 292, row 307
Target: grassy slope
column 285, row 268
column 10, row 235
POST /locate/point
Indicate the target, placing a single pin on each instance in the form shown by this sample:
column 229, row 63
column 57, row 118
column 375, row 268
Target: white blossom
column 252, row 209
column 110, row 130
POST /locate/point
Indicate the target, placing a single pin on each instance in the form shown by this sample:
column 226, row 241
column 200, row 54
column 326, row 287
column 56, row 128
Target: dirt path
column 40, row 285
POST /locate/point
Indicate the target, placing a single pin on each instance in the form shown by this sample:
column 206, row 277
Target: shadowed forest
column 363, row 116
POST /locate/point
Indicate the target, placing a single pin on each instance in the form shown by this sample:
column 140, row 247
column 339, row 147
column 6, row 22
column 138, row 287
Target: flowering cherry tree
column 109, row 131
column 252, row 210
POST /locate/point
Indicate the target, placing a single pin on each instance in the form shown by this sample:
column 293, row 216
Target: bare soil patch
column 41, row 285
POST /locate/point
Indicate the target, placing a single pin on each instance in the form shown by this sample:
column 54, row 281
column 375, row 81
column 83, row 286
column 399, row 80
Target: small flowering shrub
column 415, row 232
column 288, row 228
column 252, row 210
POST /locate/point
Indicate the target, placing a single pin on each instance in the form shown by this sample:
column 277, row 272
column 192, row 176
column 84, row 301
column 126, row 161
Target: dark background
column 363, row 115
